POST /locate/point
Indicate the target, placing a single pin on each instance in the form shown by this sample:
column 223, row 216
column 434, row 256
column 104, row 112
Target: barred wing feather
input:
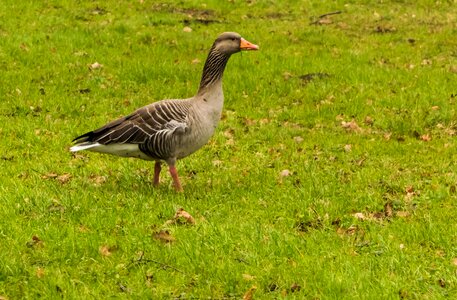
column 160, row 118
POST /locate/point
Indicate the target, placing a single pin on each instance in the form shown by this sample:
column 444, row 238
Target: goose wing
column 161, row 118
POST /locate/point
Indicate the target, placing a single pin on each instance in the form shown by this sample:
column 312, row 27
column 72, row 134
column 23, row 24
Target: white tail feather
column 125, row 150
column 84, row 146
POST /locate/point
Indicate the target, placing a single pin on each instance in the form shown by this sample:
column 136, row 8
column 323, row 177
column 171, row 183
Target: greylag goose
column 171, row 129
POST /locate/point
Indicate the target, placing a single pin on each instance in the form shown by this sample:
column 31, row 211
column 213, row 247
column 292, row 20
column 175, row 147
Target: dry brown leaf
column 183, row 217
column 196, row 61
column 248, row 277
column 249, row 122
column 83, row 228
column 36, row 242
column 97, row 179
column 426, row 62
column 287, row 75
column 264, row 121
column 217, row 163
column 49, row 175
column 359, row 216
column 95, row 66
column 229, row 133
column 426, row 137
column 387, row 136
column 454, row 261
column 324, row 21
column 164, row 236
column 295, row 288
column 402, row 214
column 368, row 120
column 64, row 178
column 3, row 297
column 285, row 173
column 187, row 29
column 298, row 139
column 442, row 282
column 105, row 250
column 250, row 293
column 351, row 230
column 410, row 193
column 40, row 272
column 351, row 126
column 388, row 210
column 348, row 148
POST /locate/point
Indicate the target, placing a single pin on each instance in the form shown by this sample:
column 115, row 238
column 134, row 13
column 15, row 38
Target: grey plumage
column 169, row 130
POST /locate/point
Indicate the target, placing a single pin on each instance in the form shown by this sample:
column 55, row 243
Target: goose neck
column 213, row 70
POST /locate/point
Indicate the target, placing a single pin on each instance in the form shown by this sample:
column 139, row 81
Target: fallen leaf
column 56, row 207
column 250, row 293
column 387, row 136
column 105, row 250
column 348, row 148
column 426, row 62
column 49, row 175
column 295, row 288
column 164, row 236
column 83, row 229
column 285, row 173
column 64, row 178
column 287, row 75
column 298, row 139
column 351, row 126
column 264, row 121
column 36, row 242
column 388, row 209
column 217, row 163
column 187, row 29
column 442, row 282
column 426, row 137
column 24, row 47
column 273, row 287
column 410, row 193
column 454, row 261
column 368, row 120
column 351, row 230
column 95, row 66
column 385, row 29
column 39, row 273
column 196, row 61
column 402, row 214
column 248, row 277
column 324, row 21
column 359, row 216
column 97, row 179
column 183, row 217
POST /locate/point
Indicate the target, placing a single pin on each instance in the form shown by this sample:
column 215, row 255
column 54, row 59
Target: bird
column 170, row 129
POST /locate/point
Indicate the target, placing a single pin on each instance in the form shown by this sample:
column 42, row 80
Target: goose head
column 231, row 42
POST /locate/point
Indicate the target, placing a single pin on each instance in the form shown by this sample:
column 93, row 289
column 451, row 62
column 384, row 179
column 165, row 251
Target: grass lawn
column 332, row 174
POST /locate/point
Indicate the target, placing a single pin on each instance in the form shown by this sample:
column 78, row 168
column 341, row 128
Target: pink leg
column 157, row 169
column 176, row 182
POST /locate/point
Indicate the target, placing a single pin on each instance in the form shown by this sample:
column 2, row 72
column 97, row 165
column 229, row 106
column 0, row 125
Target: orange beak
column 245, row 45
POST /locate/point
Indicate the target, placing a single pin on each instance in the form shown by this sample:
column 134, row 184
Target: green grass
column 83, row 226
